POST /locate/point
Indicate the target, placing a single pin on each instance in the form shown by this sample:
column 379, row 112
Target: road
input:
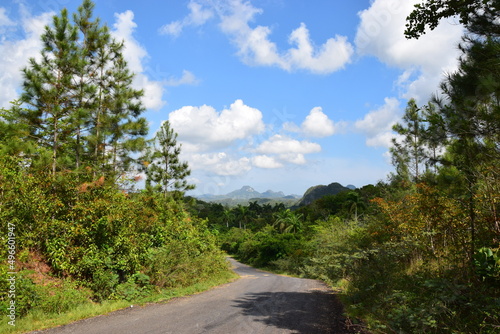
column 258, row 302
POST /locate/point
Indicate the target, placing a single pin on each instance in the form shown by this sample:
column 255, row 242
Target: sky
column 274, row 94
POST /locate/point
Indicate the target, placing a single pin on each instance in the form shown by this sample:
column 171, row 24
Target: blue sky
column 275, row 94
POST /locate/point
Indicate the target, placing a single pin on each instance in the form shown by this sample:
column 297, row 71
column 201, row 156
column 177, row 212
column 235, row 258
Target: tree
column 49, row 87
column 408, row 155
column 471, row 113
column 288, row 222
column 228, row 217
column 163, row 166
column 242, row 215
column 14, row 133
column 81, row 104
column 111, row 105
column 479, row 16
column 434, row 136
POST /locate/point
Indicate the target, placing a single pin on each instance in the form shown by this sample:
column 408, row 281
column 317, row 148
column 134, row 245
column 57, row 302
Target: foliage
column 97, row 235
column 487, row 262
column 408, row 155
column 78, row 100
column 162, row 163
column 479, row 16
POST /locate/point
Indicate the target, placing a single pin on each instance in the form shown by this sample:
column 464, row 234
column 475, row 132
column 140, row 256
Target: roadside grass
column 40, row 320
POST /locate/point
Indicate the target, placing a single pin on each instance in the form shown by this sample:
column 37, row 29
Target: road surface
column 258, row 302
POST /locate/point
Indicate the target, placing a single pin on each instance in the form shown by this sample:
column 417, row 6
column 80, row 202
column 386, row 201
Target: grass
column 37, row 320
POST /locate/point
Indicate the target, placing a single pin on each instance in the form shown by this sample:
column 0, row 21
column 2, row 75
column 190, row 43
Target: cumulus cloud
column 203, row 128
column 219, row 163
column 208, row 139
column 256, row 48
column 265, row 161
column 19, row 42
column 424, row 61
column 198, row 15
column 377, row 124
column 279, row 144
column 287, row 149
column 254, row 44
column 316, row 124
column 333, row 55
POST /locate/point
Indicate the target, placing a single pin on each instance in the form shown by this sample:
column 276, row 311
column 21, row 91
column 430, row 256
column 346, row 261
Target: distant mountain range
column 248, row 193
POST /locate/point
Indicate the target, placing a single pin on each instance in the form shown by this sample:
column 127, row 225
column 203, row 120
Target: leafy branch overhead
column 478, row 16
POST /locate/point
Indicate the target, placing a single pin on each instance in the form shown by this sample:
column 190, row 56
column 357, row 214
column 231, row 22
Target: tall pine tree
column 81, row 103
column 49, row 88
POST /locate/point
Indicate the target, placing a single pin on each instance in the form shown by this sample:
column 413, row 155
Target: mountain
column 273, row 194
column 316, row 192
column 247, row 193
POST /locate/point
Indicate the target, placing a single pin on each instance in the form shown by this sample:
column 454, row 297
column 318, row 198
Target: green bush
column 60, row 298
column 138, row 286
column 487, row 262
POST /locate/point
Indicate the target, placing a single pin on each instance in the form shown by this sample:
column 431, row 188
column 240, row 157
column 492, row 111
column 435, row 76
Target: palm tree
column 228, row 217
column 288, row 222
column 242, row 212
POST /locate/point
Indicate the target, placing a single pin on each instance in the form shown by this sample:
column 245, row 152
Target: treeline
column 419, row 253
column 73, row 228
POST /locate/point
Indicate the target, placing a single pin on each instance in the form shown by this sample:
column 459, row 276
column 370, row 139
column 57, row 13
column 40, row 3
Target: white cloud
column 255, row 47
column 16, row 52
column 187, row 78
column 286, row 149
column 203, row 128
column 197, row 16
column 381, row 33
column 333, row 55
column 377, row 124
column 317, row 124
column 265, row 161
column 219, row 163
column 279, row 144
column 136, row 55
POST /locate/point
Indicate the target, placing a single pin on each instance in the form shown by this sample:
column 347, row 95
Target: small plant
column 487, row 262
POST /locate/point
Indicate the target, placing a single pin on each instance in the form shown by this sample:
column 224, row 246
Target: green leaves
column 479, row 16
column 487, row 262
column 80, row 104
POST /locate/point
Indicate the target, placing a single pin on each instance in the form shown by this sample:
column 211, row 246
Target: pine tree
column 81, row 102
column 408, row 155
column 48, row 89
column 435, row 137
column 164, row 167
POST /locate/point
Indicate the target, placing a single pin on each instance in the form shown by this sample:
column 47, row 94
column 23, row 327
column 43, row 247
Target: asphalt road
column 258, row 302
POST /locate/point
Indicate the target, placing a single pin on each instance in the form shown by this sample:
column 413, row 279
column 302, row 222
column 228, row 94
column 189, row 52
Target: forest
column 416, row 253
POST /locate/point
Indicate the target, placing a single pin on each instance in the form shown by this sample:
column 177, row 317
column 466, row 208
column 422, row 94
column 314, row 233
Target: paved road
column 258, row 302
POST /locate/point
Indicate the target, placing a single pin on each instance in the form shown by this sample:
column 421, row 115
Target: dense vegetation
column 74, row 230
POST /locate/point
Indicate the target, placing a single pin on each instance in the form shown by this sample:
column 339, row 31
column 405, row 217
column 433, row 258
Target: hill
column 319, row 191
